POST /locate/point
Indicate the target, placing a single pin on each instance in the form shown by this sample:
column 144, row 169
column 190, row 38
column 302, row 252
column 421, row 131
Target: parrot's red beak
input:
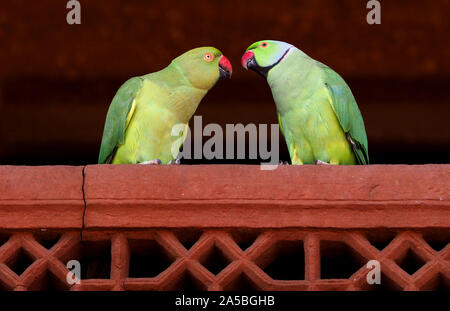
column 225, row 68
column 247, row 59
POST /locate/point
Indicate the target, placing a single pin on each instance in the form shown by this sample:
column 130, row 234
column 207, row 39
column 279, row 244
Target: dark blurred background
column 57, row 80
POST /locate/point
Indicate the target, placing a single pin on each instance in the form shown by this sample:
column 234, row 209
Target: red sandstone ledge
column 224, row 196
column 41, row 197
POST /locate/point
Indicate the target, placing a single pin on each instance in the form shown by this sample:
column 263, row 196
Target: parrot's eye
column 208, row 57
column 263, row 45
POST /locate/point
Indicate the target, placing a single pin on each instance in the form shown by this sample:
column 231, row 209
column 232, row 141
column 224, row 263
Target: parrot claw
column 283, row 163
column 152, row 162
column 318, row 162
column 176, row 162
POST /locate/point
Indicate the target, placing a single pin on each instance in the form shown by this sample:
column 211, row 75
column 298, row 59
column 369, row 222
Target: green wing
column 280, row 122
column 348, row 114
column 117, row 119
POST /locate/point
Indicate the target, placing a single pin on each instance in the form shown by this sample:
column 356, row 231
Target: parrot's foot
column 176, row 162
column 318, row 162
column 152, row 162
column 283, row 163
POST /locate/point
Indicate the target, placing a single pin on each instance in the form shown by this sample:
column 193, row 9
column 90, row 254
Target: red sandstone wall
column 225, row 227
column 130, row 37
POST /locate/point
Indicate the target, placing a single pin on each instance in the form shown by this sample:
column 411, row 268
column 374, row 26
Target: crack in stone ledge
column 84, row 201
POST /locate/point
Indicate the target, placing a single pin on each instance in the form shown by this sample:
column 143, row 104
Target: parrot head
column 263, row 55
column 204, row 66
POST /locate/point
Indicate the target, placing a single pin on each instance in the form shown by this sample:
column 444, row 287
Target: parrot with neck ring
column 317, row 112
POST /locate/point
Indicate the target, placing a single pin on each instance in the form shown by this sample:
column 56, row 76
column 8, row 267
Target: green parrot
column 317, row 112
column 138, row 127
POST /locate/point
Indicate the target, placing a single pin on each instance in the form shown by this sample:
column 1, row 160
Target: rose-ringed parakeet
column 138, row 127
column 317, row 112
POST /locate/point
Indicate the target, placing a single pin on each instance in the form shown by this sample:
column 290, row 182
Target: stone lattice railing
column 225, row 227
